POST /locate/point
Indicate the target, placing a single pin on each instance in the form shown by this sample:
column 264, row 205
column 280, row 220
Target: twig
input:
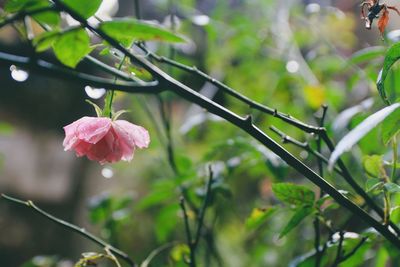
column 113, row 71
column 252, row 104
column 137, row 9
column 47, row 68
column 319, row 252
column 395, row 156
column 112, row 257
column 321, row 131
column 321, row 124
column 354, row 250
column 193, row 243
column 200, row 221
column 192, row 262
column 73, row 228
column 339, row 249
column 155, row 252
column 347, row 176
column 304, row 145
column 166, row 120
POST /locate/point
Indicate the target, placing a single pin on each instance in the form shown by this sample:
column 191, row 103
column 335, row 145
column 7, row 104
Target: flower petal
column 103, row 148
column 82, row 148
column 132, row 134
column 116, row 149
column 93, row 129
column 71, row 139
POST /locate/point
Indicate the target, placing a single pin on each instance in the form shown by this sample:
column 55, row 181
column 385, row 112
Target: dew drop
column 313, row 8
column 107, row 172
column 201, row 20
column 292, row 66
column 394, row 36
column 18, row 75
column 94, row 93
column 303, row 154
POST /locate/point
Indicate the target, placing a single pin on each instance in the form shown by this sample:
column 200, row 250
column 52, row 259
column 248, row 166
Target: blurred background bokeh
column 291, row 55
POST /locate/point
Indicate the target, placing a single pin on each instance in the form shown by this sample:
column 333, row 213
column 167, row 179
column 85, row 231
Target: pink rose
column 104, row 140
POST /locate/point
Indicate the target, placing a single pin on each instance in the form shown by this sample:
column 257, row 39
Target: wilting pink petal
column 70, row 137
column 132, row 133
column 131, row 136
column 104, row 140
column 82, row 148
column 92, row 130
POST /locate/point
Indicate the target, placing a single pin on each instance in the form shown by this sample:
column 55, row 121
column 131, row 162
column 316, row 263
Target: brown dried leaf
column 383, row 21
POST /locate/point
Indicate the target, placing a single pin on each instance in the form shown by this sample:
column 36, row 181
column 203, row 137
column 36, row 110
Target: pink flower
column 105, row 140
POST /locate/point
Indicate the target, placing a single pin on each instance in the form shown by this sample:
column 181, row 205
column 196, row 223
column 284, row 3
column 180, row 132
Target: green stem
column 386, row 208
column 192, row 262
column 395, row 158
column 108, row 110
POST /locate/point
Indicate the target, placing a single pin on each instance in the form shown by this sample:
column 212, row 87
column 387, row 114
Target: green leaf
column 367, row 54
column 90, row 258
column 160, row 192
column 293, row 194
column 96, row 108
column 392, row 187
column 13, row 6
column 296, row 219
column 373, row 165
column 391, row 126
column 373, row 184
column 72, row 46
column 126, row 31
column 84, row 8
column 392, row 55
column 166, row 221
column 180, row 252
column 184, row 163
column 49, row 17
column 355, row 135
column 258, row 217
column 45, row 40
column 117, row 114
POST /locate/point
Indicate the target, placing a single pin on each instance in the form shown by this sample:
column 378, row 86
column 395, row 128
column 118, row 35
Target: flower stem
column 394, row 167
column 108, row 101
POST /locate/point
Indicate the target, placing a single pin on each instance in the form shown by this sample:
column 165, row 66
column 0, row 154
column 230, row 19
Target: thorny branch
column 73, row 228
column 320, row 131
column 163, row 81
column 193, row 242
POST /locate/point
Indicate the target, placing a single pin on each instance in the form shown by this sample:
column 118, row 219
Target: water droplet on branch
column 18, row 75
column 201, row 20
column 292, row 66
column 94, row 93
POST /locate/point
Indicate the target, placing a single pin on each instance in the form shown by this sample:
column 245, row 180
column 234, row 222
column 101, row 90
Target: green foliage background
column 250, row 46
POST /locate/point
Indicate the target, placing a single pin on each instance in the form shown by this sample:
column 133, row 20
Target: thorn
column 249, row 119
column 29, row 203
